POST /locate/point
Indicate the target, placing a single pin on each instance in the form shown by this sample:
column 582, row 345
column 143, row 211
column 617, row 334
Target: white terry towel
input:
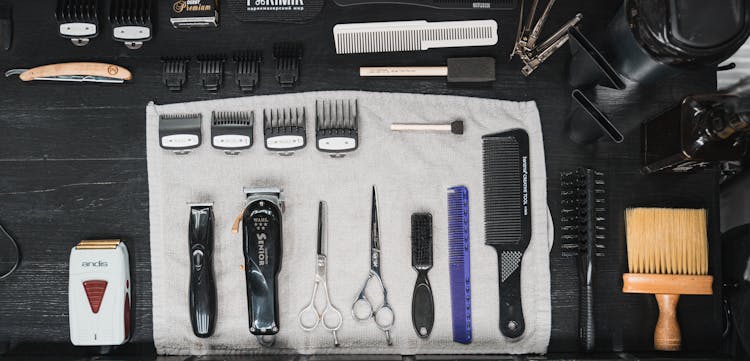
column 411, row 172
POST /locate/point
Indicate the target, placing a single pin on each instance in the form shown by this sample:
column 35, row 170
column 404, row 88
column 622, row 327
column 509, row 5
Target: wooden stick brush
column 667, row 257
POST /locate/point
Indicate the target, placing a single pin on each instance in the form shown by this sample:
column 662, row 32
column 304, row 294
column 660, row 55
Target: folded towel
column 411, row 172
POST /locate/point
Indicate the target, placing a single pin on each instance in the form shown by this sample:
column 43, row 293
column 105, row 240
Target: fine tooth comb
column 78, row 20
column 287, row 58
column 459, row 263
column 667, row 257
column 412, row 35
column 337, row 126
column 507, row 217
column 232, row 131
column 131, row 22
column 422, row 303
column 180, row 132
column 247, row 70
column 284, row 130
column 583, row 230
column 441, row 4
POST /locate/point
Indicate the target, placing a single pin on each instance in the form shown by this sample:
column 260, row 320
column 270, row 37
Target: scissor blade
column 374, row 229
column 321, row 226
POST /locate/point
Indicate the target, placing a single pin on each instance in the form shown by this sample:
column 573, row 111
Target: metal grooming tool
column 262, row 245
column 232, row 131
column 180, row 132
column 131, row 22
column 525, row 46
column 330, row 317
column 211, row 71
column 583, row 220
column 362, row 308
column 78, row 20
column 284, row 130
column 74, row 72
column 287, row 56
column 336, row 126
column 174, row 72
column 247, row 70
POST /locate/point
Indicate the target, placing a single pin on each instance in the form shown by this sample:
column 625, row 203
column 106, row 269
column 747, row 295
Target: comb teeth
column 502, row 183
column 284, row 119
column 421, row 241
column 77, row 11
column 667, row 241
column 228, row 119
column 583, row 214
column 130, row 13
column 459, row 263
column 247, row 69
column 181, row 116
column 334, row 116
column 412, row 35
column 287, row 57
column 458, row 225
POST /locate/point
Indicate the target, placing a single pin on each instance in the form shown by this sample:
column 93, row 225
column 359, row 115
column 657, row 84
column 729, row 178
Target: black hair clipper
column 202, row 287
column 261, row 244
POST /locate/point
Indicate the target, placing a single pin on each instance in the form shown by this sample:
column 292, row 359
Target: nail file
column 422, row 302
column 507, row 218
column 459, row 263
column 99, row 293
column 441, row 4
column 202, row 291
column 415, row 35
column 232, row 131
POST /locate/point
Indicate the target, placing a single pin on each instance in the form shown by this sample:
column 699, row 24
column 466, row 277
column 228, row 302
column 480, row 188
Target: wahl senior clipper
column 261, row 244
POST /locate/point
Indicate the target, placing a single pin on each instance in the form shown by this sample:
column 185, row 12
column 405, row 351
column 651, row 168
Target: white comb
column 392, row 36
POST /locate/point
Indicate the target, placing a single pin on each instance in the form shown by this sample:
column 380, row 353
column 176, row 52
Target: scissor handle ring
column 364, row 300
column 310, row 309
column 339, row 319
column 389, row 309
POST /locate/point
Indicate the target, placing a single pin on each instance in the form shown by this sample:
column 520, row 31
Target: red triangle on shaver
column 95, row 293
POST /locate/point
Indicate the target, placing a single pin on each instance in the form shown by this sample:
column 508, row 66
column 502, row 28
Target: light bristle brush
column 667, row 257
column 583, row 230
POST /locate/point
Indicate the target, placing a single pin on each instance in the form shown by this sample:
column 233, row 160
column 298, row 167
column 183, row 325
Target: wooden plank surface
column 72, row 157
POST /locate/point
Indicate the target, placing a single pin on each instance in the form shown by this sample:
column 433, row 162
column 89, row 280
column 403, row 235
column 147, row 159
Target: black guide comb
column 284, row 130
column 336, row 126
column 507, row 217
column 247, row 70
column 232, row 131
column 78, row 20
column 180, row 132
column 583, row 230
column 174, row 72
column 211, row 71
column 287, row 57
column 131, row 22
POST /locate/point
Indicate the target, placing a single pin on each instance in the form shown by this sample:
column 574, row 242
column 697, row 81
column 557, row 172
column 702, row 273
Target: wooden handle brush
column 667, row 257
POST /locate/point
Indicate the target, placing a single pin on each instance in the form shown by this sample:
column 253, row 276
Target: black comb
column 507, row 217
column 131, row 22
column 583, row 229
column 174, row 72
column 422, row 304
column 232, row 131
column 284, row 130
column 247, row 70
column 287, row 57
column 78, row 20
column 336, row 126
column 441, row 4
column 211, row 71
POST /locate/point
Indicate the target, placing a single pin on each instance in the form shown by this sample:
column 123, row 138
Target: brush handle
column 667, row 335
column 586, row 321
column 512, row 324
column 422, row 306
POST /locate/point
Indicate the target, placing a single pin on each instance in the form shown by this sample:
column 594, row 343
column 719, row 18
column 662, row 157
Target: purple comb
column 458, row 262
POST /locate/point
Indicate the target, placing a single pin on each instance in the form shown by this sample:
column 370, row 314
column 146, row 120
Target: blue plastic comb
column 459, row 262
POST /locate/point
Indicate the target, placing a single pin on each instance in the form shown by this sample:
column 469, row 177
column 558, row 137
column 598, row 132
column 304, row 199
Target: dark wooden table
column 73, row 160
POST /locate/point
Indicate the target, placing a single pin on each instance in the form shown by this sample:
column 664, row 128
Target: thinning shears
column 363, row 308
column 310, row 316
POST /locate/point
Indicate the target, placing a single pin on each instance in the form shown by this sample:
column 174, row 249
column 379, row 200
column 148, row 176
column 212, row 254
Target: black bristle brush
column 422, row 304
column 583, row 230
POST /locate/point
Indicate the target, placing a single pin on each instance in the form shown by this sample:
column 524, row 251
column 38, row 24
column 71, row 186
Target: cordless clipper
column 261, row 244
column 202, row 286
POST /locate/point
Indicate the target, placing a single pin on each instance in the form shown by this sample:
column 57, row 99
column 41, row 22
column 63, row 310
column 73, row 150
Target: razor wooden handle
column 80, row 68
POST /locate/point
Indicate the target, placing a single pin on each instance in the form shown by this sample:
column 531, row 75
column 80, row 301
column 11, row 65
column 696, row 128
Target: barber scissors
column 363, row 309
column 310, row 316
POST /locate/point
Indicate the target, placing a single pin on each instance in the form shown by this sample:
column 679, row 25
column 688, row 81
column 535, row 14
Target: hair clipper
column 261, row 244
column 202, row 291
